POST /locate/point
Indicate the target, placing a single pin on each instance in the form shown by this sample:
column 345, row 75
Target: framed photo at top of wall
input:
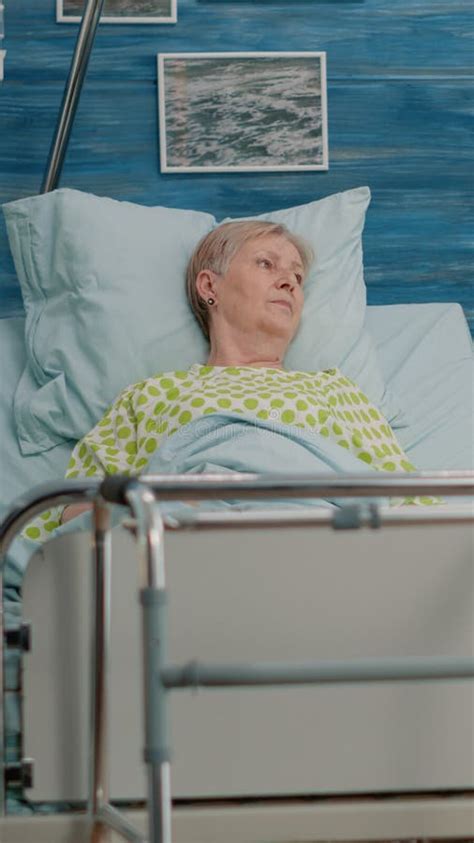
column 241, row 112
column 120, row 11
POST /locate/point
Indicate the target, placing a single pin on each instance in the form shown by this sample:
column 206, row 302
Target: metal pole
column 195, row 675
column 359, row 516
column 37, row 501
column 153, row 600
column 21, row 513
column 102, row 559
column 269, row 486
column 72, row 93
column 221, row 486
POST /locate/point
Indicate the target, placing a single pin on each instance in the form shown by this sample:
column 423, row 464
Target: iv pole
column 72, row 93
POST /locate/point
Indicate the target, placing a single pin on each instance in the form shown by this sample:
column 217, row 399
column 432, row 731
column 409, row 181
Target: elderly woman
column 245, row 284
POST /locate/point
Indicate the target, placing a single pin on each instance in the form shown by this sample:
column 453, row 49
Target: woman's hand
column 73, row 510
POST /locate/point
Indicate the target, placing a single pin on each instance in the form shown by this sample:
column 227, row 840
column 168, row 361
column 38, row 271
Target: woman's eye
column 299, row 278
column 265, row 262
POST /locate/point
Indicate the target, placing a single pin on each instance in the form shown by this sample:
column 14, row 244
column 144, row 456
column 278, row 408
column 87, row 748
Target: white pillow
column 104, row 292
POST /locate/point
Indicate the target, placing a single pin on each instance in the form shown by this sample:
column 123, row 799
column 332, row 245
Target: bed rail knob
column 113, row 489
column 19, row 637
column 20, row 774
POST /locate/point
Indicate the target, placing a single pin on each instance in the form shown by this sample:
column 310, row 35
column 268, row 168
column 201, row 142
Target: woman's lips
column 283, row 303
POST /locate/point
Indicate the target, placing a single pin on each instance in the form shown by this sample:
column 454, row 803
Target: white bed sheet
column 427, row 358
column 18, row 474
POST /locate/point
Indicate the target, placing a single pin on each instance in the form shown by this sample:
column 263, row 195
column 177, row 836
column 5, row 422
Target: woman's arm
column 100, row 452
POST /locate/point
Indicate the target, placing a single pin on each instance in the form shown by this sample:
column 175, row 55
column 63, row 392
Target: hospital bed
column 385, row 757
column 280, row 591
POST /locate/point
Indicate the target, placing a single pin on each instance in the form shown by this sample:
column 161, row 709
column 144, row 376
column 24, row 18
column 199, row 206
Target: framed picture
column 236, row 112
column 120, row 11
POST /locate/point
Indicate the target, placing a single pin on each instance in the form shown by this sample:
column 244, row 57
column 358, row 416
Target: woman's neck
column 231, row 360
column 231, row 354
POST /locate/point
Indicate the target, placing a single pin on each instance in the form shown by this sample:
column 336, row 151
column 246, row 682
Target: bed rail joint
column 19, row 637
column 354, row 516
column 20, row 774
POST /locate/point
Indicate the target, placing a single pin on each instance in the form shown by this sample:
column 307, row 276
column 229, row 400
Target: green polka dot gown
column 147, row 412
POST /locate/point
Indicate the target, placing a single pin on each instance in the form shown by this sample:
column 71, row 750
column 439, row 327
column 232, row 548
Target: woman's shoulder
column 158, row 382
column 328, row 374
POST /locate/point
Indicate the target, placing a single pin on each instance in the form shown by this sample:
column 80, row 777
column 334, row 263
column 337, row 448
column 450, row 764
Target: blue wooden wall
column 399, row 100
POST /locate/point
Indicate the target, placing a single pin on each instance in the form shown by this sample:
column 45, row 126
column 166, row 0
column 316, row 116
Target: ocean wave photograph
column 123, row 8
column 244, row 112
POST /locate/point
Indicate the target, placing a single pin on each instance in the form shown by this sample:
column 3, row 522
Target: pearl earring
column 211, row 301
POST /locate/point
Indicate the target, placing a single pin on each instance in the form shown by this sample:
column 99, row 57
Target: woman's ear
column 206, row 283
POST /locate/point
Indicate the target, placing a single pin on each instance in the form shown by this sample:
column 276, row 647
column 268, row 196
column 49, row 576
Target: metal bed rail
column 142, row 496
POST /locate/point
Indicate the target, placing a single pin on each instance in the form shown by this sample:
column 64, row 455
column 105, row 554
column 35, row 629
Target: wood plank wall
column 399, row 99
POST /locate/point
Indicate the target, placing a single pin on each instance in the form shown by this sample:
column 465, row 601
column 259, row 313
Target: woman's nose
column 286, row 279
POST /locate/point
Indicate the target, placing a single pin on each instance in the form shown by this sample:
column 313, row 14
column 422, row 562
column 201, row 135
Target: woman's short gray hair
column 216, row 250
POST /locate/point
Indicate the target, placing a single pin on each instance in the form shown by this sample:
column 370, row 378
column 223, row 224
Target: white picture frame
column 242, row 112
column 166, row 11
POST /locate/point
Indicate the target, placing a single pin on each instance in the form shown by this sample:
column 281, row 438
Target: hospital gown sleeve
column 102, row 451
column 111, row 446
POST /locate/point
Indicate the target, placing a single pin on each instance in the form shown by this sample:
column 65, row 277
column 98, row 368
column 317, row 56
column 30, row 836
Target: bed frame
column 398, row 739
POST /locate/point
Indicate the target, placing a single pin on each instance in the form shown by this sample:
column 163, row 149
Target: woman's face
column 262, row 290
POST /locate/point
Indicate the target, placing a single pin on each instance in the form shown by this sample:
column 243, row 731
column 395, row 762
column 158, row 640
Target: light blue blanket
column 224, row 442
column 231, row 442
